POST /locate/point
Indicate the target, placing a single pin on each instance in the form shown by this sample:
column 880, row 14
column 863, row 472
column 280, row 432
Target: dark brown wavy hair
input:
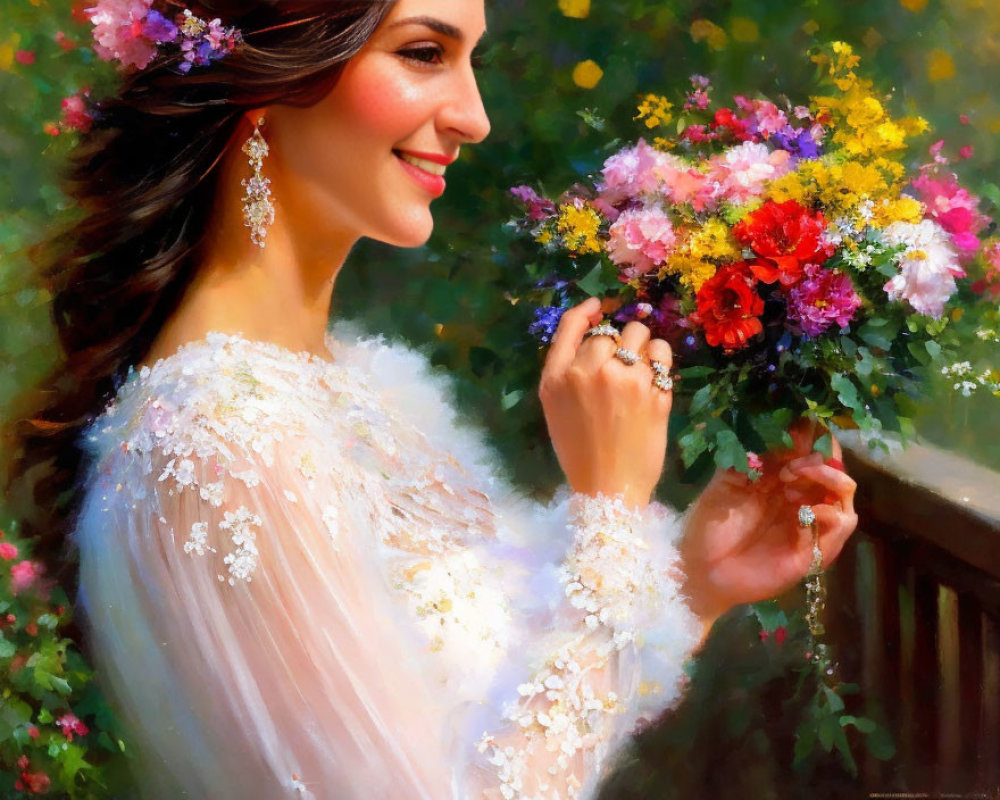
column 143, row 179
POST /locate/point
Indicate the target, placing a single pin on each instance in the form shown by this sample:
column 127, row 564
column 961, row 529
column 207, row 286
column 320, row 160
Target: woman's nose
column 464, row 112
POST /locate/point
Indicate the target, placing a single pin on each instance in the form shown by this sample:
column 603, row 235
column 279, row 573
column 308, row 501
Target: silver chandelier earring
column 258, row 210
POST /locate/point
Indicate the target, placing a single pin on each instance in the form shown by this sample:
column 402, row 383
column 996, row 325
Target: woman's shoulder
column 221, row 391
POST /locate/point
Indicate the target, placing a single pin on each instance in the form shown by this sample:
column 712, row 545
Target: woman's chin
column 412, row 233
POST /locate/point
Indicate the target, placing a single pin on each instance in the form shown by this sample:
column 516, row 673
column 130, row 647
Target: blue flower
column 546, row 321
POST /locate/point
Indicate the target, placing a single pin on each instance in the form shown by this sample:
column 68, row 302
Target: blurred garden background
column 561, row 81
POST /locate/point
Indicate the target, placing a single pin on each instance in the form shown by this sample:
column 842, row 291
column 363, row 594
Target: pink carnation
column 634, row 172
column 23, row 575
column 641, row 239
column 763, row 116
column 118, row 31
column 953, row 208
column 928, row 266
column 824, row 297
column 742, row 171
column 8, row 551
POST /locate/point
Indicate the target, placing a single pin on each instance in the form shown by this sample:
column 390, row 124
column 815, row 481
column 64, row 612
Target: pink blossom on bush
column 8, row 551
column 640, row 240
column 928, row 266
column 742, row 171
column 70, row 724
column 75, row 114
column 23, row 575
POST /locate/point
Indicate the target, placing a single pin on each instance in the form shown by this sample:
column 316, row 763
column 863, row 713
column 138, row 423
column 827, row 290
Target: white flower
column 928, row 266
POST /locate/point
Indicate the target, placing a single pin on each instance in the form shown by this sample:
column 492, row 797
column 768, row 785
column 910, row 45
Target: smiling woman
column 299, row 575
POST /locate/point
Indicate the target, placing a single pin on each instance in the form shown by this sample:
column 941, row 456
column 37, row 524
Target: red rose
column 785, row 237
column 729, row 307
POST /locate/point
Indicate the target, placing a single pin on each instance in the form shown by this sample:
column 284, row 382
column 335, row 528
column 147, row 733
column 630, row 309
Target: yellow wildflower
column 587, row 74
column 578, row 226
column 655, row 110
column 940, row 66
column 793, row 186
column 713, row 242
column 692, row 272
column 905, row 209
column 744, row 29
column 704, row 30
column 578, row 9
column 864, row 111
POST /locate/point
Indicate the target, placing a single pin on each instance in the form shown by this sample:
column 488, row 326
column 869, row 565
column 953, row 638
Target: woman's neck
column 280, row 293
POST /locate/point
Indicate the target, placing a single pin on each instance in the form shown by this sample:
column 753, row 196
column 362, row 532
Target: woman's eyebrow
column 436, row 25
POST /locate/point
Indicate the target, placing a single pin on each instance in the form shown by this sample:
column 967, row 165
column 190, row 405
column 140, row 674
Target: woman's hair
column 144, row 178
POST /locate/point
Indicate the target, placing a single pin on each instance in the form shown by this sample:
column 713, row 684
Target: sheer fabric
column 301, row 578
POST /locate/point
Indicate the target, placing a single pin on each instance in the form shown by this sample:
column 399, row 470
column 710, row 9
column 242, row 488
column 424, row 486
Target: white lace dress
column 301, row 578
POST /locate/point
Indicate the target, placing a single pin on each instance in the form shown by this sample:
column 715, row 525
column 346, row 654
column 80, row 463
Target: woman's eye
column 425, row 54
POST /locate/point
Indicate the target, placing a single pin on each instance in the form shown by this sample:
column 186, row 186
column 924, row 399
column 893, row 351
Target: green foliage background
column 453, row 297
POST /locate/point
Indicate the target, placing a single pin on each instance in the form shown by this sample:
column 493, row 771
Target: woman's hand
column 607, row 421
column 743, row 542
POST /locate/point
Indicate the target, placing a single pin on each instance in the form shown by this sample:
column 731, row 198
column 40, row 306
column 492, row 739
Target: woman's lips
column 421, row 171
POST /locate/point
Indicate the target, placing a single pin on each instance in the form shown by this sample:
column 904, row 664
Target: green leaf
column 691, row 373
column 824, row 445
column 805, row 741
column 840, row 740
column 933, row 348
column 826, row 731
column 693, row 444
column 769, row 615
column 834, row 700
column 593, row 283
column 7, row 648
column 846, row 391
column 729, row 451
column 701, row 399
column 880, row 744
column 510, row 399
column 863, row 724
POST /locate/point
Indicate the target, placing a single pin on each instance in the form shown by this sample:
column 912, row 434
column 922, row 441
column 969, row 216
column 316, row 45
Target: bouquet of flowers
column 795, row 263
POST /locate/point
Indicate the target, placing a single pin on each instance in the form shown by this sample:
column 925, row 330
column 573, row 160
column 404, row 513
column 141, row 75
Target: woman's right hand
column 607, row 421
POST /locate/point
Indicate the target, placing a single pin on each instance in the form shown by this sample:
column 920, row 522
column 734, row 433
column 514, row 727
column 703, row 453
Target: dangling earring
column 258, row 210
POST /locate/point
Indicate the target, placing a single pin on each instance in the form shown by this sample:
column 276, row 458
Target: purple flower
column 797, row 141
column 546, row 321
column 823, row 297
column 539, row 207
column 158, row 28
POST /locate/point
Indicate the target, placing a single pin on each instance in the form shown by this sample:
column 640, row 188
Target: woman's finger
column 835, row 528
column 569, row 334
column 833, row 480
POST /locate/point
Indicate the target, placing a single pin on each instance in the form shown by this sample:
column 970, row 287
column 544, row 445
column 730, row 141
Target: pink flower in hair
column 118, row 31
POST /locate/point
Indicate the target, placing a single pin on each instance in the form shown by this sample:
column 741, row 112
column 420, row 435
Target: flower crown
column 132, row 33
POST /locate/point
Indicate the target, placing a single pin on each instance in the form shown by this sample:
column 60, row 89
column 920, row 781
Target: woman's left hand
column 743, row 541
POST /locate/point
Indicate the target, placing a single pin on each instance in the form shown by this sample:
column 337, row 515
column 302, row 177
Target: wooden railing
column 914, row 615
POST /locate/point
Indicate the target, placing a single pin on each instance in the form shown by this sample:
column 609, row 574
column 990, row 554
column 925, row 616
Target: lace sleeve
column 239, row 620
column 611, row 653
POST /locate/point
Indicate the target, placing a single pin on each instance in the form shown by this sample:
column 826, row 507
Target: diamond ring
column 663, row 382
column 626, row 356
column 807, row 517
column 604, row 329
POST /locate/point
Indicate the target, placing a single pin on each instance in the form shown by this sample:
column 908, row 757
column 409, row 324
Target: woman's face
column 369, row 158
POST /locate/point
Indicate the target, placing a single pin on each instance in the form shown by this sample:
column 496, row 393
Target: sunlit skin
column 339, row 173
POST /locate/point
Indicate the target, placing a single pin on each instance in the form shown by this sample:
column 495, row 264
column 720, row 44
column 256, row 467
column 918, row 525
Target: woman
column 299, row 576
